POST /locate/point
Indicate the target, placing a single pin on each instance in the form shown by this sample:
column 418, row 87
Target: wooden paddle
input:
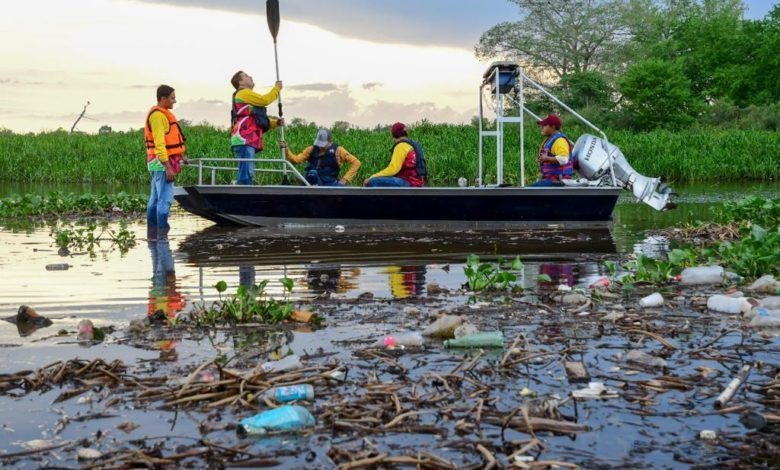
column 272, row 15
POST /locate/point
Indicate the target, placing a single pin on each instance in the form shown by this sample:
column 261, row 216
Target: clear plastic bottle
column 487, row 339
column 465, row 330
column 771, row 303
column 443, row 327
column 702, row 275
column 290, row 393
column 765, row 319
column 287, row 363
column 405, row 339
column 284, row 418
column 732, row 305
column 643, row 359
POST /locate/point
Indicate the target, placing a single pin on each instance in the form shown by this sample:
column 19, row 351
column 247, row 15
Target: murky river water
column 111, row 288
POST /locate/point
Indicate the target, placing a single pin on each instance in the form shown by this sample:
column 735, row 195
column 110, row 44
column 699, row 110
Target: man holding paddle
column 249, row 121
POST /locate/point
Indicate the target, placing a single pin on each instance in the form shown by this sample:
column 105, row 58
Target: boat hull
column 277, row 205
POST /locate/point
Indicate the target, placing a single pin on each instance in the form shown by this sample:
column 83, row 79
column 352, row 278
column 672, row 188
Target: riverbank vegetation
column 57, row 204
column 691, row 155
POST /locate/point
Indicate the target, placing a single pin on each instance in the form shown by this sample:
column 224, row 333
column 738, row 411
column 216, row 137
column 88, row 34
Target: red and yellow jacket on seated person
column 164, row 140
column 244, row 130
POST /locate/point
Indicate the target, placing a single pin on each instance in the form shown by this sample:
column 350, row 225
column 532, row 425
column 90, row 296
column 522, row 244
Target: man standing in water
column 249, row 121
column 164, row 156
column 554, row 157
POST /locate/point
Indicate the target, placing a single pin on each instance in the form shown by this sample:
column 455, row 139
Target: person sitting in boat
column 324, row 161
column 407, row 166
column 554, row 159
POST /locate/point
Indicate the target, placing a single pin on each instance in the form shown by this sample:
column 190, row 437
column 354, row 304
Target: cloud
column 372, row 85
column 400, row 21
column 316, row 87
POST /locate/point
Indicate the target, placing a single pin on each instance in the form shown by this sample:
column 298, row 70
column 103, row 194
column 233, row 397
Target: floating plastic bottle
column 652, row 300
column 487, row 339
column 465, row 330
column 443, row 327
column 771, row 303
column 732, row 305
column 406, row 339
column 285, row 418
column 643, row 359
column 600, row 283
column 288, row 363
column 702, row 275
column 765, row 318
column 766, row 284
column 291, row 393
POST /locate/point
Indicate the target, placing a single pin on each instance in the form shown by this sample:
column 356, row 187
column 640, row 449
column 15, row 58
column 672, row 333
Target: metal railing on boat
column 505, row 77
column 202, row 163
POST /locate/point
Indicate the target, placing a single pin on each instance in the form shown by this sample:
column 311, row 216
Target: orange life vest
column 174, row 138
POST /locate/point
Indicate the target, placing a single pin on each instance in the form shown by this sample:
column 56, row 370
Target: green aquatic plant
column 755, row 254
column 117, row 157
column 87, row 236
column 489, row 276
column 753, row 209
column 645, row 269
column 250, row 304
column 57, row 204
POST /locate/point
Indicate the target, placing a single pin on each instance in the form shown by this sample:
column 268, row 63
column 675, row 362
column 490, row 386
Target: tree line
column 647, row 64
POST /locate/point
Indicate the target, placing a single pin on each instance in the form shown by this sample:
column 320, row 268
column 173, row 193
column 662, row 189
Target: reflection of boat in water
column 604, row 170
column 239, row 246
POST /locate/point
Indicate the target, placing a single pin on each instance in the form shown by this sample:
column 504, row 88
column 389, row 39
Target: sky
column 366, row 62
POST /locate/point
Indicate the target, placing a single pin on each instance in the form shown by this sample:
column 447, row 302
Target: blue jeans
column 387, row 181
column 314, row 179
column 160, row 201
column 246, row 170
column 546, row 183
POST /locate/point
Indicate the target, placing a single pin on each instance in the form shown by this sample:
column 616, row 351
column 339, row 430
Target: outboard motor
column 591, row 159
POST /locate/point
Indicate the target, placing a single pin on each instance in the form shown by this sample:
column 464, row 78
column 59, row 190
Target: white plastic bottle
column 771, row 303
column 288, row 363
column 652, row 300
column 702, row 275
column 642, row 358
column 732, row 305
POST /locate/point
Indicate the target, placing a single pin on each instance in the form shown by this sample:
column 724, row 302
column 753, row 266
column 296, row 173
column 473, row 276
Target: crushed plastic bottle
column 487, row 339
column 771, row 303
column 444, row 327
column 732, row 305
column 766, row 284
column 643, row 359
column 290, row 393
column 465, row 330
column 406, row 339
column 284, row 418
column 288, row 363
column 765, row 318
column 600, row 283
column 652, row 300
column 702, row 275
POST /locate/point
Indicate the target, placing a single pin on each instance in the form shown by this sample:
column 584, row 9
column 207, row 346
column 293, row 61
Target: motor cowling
column 591, row 159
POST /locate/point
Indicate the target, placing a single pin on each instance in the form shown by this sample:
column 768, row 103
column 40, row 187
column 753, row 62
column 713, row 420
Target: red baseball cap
column 398, row 130
column 551, row 120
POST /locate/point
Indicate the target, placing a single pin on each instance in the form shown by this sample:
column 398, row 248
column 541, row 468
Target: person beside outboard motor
column 248, row 121
column 324, row 161
column 407, row 166
column 555, row 161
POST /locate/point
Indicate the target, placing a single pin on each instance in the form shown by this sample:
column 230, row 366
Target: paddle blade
column 272, row 15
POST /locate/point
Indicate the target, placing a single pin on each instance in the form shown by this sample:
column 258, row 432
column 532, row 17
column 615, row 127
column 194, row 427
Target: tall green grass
column 688, row 155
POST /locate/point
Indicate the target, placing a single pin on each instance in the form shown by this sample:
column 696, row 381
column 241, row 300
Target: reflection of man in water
column 406, row 281
column 559, row 274
column 164, row 295
column 331, row 279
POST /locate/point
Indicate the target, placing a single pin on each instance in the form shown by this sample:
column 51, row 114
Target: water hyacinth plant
column 59, row 204
column 451, row 151
column 250, row 304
